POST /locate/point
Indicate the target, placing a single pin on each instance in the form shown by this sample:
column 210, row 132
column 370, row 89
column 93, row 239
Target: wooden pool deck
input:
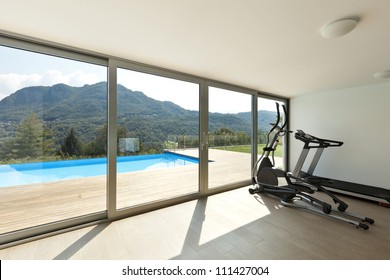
column 38, row 204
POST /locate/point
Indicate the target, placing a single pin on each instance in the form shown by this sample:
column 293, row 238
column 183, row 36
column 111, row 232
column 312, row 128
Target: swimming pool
column 44, row 172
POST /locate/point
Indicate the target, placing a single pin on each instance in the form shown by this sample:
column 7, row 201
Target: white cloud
column 9, row 83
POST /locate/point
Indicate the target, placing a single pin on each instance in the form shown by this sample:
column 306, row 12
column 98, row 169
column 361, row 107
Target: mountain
column 264, row 118
column 56, row 102
column 85, row 108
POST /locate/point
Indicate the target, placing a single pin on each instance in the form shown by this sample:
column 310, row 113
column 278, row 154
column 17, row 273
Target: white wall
column 360, row 117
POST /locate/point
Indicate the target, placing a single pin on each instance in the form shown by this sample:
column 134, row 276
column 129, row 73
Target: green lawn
column 247, row 149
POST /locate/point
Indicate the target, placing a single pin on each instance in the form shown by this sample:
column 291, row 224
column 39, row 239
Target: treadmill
column 380, row 195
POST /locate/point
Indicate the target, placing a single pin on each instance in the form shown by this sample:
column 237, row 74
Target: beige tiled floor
column 231, row 225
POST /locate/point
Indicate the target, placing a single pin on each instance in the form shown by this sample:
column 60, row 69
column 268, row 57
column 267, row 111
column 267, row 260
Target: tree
column 48, row 144
column 71, row 145
column 28, row 140
column 32, row 140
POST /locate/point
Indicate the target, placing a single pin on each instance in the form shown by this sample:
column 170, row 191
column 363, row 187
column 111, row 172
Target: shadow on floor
column 80, row 243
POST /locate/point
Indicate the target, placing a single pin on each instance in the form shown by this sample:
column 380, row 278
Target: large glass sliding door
column 53, row 115
column 157, row 138
column 84, row 138
column 230, row 135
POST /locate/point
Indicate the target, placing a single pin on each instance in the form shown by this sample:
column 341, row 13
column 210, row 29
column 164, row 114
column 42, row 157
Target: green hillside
column 63, row 107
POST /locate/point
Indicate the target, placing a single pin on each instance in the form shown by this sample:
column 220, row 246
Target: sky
column 19, row 69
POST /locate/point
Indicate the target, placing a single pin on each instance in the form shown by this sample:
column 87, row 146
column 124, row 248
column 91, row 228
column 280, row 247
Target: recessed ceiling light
column 339, row 27
column 382, row 75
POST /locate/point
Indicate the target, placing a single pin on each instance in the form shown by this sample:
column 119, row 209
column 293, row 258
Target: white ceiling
column 266, row 45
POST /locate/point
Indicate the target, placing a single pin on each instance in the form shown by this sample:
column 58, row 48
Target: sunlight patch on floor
column 222, row 219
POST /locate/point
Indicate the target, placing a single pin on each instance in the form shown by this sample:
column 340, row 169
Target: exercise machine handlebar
column 318, row 142
column 285, row 117
column 275, row 125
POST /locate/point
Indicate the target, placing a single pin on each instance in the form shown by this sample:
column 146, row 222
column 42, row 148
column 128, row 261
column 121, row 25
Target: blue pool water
column 43, row 172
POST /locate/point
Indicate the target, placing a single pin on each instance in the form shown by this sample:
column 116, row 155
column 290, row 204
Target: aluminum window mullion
column 112, row 139
column 254, row 131
column 203, row 137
